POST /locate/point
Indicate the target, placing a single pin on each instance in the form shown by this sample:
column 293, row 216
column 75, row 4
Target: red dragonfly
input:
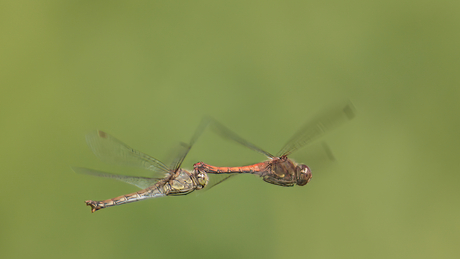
column 279, row 169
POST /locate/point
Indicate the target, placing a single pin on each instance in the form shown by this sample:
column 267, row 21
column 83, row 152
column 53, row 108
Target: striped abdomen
column 150, row 192
column 249, row 169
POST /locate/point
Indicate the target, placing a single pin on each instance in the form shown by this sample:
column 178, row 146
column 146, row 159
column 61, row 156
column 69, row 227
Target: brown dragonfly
column 168, row 181
column 279, row 169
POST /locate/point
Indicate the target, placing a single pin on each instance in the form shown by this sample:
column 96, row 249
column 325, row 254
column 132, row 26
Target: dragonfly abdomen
column 249, row 169
column 150, row 192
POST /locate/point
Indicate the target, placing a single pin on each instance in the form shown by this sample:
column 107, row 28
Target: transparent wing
column 226, row 133
column 141, row 182
column 179, row 158
column 185, row 148
column 215, row 179
column 318, row 156
column 318, row 126
column 199, row 130
column 111, row 150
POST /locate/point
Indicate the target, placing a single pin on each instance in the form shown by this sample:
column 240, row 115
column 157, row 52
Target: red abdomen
column 249, row 169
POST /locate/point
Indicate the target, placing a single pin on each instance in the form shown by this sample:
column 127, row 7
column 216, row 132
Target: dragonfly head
column 303, row 174
column 202, row 179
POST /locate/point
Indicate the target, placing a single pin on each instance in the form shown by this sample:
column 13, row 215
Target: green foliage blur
column 148, row 71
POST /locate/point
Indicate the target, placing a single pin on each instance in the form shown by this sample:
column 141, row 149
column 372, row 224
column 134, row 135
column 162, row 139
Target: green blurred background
column 147, row 71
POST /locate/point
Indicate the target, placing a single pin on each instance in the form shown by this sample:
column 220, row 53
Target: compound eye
column 304, row 175
column 203, row 179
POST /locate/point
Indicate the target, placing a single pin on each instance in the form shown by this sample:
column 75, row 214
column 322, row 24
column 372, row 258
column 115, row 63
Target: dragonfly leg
column 277, row 181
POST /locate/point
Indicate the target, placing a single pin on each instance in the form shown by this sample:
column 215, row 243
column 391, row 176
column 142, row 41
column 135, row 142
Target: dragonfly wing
column 319, row 156
column 111, row 150
column 179, row 158
column 184, row 148
column 215, row 179
column 228, row 134
column 318, row 126
column 141, row 182
column 199, row 130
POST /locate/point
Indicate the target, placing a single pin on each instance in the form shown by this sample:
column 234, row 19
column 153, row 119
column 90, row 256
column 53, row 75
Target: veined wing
column 141, row 182
column 318, row 126
column 111, row 150
column 181, row 153
column 184, row 148
column 228, row 134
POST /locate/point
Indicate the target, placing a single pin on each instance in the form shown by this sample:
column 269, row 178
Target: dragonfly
column 281, row 170
column 169, row 181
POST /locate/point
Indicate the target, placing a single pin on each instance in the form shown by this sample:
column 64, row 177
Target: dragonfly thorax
column 303, row 174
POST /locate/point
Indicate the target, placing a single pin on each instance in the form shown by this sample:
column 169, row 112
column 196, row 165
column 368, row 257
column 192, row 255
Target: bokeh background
column 147, row 71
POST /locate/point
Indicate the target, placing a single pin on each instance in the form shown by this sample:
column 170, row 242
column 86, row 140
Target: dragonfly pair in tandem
column 173, row 180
